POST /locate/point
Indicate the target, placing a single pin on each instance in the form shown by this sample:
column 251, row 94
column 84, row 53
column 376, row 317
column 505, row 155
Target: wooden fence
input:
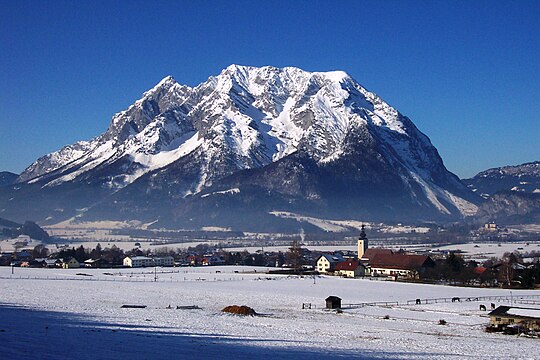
column 517, row 298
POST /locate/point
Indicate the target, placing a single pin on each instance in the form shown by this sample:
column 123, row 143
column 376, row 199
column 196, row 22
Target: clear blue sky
column 466, row 72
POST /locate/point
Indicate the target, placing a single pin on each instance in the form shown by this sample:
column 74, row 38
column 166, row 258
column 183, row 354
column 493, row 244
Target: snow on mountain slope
column 523, row 178
column 248, row 118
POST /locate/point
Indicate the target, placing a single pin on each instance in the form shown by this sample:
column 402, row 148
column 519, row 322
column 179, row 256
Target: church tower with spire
column 362, row 243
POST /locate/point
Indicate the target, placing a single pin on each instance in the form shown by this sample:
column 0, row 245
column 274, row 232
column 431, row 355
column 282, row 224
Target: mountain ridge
column 523, row 177
column 178, row 143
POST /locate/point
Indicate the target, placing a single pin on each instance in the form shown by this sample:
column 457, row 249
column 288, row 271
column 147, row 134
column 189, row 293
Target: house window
column 498, row 319
column 511, row 321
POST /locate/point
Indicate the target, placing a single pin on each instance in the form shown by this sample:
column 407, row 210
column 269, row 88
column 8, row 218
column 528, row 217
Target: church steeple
column 363, row 233
column 362, row 242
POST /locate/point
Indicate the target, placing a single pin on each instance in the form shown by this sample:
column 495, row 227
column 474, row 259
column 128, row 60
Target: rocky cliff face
column 250, row 140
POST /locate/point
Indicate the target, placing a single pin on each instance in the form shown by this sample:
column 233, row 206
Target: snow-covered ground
column 51, row 313
column 476, row 251
column 484, row 251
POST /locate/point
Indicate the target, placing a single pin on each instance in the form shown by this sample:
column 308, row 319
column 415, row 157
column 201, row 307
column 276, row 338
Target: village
column 513, row 271
column 516, row 269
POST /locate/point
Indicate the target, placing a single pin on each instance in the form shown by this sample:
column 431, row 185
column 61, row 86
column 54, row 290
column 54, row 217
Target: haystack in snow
column 239, row 310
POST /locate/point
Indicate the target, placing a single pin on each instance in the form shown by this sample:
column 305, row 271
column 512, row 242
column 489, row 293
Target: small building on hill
column 327, row 262
column 528, row 318
column 351, row 268
column 400, row 265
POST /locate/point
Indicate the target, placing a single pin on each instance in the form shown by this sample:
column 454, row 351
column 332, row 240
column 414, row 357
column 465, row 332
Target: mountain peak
column 320, row 132
column 164, row 85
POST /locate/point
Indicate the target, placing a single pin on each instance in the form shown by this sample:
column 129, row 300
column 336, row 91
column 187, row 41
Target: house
column 70, row 263
column 503, row 316
column 164, row 261
column 192, row 260
column 37, row 263
column 400, row 265
column 350, row 268
column 490, row 227
column 23, row 255
column 327, row 262
column 145, row 261
column 94, row 263
column 52, row 263
column 45, row 262
column 212, row 260
column 138, row 261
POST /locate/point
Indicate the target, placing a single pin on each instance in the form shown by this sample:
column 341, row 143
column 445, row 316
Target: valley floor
column 55, row 313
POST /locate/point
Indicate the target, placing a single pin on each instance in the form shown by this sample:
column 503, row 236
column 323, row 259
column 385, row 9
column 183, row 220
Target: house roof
column 480, row 270
column 332, row 258
column 348, row 265
column 91, row 261
column 139, row 258
column 372, row 252
column 517, row 312
column 400, row 261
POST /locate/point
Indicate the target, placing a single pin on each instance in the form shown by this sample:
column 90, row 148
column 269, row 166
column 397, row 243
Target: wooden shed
column 333, row 302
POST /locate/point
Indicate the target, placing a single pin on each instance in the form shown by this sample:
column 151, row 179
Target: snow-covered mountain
column 522, row 178
column 250, row 140
column 512, row 194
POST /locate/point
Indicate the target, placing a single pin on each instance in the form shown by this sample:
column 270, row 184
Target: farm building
column 333, row 302
column 400, row 265
column 507, row 316
column 350, row 268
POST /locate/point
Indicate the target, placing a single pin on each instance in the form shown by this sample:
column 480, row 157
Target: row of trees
column 111, row 255
column 510, row 271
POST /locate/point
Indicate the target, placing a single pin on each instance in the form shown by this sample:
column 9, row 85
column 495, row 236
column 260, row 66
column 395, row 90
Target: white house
column 327, row 262
column 145, row 261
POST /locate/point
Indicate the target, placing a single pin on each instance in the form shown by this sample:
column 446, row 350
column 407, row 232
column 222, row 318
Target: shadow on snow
column 42, row 334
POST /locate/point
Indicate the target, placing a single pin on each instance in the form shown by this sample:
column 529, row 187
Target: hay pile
column 239, row 310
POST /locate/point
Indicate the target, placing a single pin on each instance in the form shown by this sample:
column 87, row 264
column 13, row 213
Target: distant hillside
column 512, row 194
column 511, row 207
column 522, row 178
column 12, row 229
column 7, row 178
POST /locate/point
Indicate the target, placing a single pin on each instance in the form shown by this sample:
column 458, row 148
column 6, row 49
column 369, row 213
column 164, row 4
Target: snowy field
column 48, row 312
column 484, row 251
column 475, row 251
